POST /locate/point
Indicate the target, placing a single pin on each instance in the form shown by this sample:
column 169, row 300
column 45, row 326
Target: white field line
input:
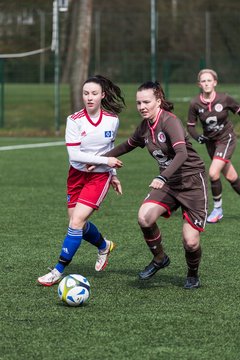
column 31, row 146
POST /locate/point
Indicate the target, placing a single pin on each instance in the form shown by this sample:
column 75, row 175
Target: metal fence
column 121, row 46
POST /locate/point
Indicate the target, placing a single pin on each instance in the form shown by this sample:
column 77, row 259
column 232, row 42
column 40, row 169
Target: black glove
column 202, row 139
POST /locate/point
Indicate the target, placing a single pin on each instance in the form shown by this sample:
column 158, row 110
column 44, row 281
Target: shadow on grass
column 159, row 280
column 130, row 276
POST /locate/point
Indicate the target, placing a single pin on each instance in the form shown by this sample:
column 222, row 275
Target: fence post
column 166, row 72
column 1, row 93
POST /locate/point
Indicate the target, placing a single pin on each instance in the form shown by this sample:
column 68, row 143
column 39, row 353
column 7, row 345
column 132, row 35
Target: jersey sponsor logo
column 218, row 107
column 68, row 198
column 161, row 137
column 212, row 124
column 108, row 134
column 201, row 111
column 83, row 133
column 161, row 158
column 220, row 154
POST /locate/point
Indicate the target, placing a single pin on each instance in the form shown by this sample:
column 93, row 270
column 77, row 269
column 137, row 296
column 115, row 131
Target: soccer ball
column 74, row 290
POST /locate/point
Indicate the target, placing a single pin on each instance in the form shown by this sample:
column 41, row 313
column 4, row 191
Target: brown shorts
column 222, row 149
column 190, row 195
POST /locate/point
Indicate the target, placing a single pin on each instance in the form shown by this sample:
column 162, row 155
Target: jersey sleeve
column 192, row 121
column 116, row 128
column 120, row 149
column 233, row 105
column 176, row 134
column 73, row 142
column 128, row 145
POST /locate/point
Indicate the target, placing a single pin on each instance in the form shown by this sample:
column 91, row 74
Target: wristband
column 162, row 178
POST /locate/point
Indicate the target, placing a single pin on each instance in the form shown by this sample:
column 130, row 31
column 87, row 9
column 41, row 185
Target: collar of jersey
column 210, row 100
column 90, row 120
column 153, row 125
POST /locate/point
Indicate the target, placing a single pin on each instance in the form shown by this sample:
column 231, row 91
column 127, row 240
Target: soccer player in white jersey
column 89, row 134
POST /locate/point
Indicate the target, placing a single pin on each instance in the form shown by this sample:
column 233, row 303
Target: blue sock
column 69, row 247
column 93, row 236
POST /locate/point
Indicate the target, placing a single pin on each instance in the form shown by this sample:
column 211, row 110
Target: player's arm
column 191, row 126
column 115, row 182
column 73, row 143
column 121, row 149
column 136, row 140
column 233, row 105
column 176, row 133
column 178, row 160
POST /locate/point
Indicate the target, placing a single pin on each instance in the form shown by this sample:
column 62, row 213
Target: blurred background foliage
column 189, row 35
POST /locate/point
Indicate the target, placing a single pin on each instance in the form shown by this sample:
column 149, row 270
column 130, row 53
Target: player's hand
column 90, row 167
column 202, row 139
column 116, row 184
column 114, row 163
column 157, row 184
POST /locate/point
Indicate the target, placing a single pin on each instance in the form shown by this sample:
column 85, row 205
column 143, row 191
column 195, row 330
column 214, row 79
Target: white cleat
column 102, row 259
column 51, row 278
column 215, row 216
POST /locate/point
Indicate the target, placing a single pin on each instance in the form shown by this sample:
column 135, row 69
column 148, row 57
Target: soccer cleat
column 215, row 216
column 192, row 283
column 102, row 259
column 153, row 267
column 51, row 278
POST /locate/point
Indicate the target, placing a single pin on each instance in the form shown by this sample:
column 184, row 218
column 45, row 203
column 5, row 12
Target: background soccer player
column 89, row 133
column 181, row 183
column 212, row 109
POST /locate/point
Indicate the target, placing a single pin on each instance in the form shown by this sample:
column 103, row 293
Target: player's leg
column 70, row 245
column 194, row 203
column 193, row 254
column 215, row 170
column 148, row 214
column 232, row 176
column 92, row 235
column 94, row 193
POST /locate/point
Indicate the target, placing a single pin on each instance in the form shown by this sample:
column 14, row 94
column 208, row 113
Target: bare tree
column 78, row 51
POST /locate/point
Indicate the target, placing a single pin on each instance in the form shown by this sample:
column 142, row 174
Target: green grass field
column 125, row 318
column 29, row 108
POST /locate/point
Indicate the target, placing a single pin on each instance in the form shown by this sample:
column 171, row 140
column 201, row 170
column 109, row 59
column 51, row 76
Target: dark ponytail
column 158, row 92
column 113, row 101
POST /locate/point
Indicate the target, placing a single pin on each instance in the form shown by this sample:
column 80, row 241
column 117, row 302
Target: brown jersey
column 169, row 145
column 213, row 116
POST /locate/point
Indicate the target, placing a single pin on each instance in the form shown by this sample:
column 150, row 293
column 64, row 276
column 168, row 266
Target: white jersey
column 87, row 140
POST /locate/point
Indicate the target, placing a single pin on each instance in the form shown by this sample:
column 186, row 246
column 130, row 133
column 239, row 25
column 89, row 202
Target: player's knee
column 191, row 243
column 144, row 221
column 213, row 175
column 231, row 178
column 76, row 223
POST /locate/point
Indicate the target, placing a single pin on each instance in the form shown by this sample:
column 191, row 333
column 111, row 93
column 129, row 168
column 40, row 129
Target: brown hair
column 113, row 100
column 158, row 92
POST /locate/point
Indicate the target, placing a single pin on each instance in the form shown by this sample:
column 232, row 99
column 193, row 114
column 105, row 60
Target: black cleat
column 192, row 283
column 153, row 267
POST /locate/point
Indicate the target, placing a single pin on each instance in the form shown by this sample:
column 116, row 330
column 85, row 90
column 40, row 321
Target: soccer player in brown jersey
column 180, row 184
column 212, row 109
